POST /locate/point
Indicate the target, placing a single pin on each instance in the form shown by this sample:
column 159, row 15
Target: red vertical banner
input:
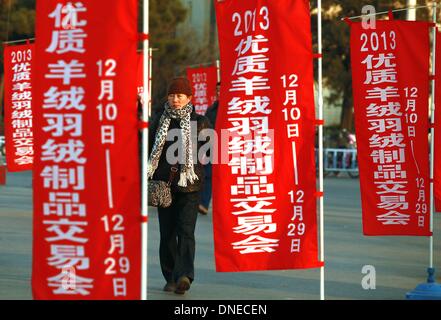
column 390, row 78
column 437, row 135
column 264, row 198
column 203, row 81
column 18, row 107
column 86, row 237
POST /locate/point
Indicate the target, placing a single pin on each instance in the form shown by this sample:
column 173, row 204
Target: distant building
column 200, row 25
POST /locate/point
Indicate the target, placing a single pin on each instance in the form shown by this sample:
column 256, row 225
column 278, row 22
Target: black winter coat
column 162, row 172
column 211, row 113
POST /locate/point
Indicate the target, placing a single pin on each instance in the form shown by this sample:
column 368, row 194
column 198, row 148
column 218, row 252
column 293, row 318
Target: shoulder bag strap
column 173, row 171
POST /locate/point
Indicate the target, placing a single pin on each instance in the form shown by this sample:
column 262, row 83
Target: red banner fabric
column 86, row 237
column 203, row 82
column 264, row 198
column 390, row 79
column 437, row 135
column 18, row 107
column 2, row 175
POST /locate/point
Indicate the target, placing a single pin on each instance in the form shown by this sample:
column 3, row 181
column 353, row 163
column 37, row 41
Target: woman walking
column 177, row 223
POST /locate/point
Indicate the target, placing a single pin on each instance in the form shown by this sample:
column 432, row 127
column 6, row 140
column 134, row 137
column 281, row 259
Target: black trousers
column 177, row 245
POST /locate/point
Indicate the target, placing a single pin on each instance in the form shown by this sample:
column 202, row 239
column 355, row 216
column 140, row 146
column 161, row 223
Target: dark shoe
column 203, row 210
column 170, row 287
column 182, row 285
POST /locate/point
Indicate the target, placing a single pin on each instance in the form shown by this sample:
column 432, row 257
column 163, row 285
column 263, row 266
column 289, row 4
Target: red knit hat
column 180, row 85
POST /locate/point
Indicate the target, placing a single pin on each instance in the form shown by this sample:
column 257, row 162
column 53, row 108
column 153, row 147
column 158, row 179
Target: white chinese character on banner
column 23, row 142
column 73, row 227
column 295, row 245
column 63, row 152
column 290, row 96
column 66, row 71
column 245, row 165
column 297, row 213
column 107, row 134
column 67, row 41
column 253, row 63
column 381, row 76
column 116, row 244
column 22, row 133
column 64, row 204
column 106, row 90
column 381, row 60
column 21, row 123
column 391, row 140
column 24, row 160
column 251, row 43
column 421, row 221
column 258, row 104
column 293, row 130
column 66, row 16
column 390, row 109
column 250, row 85
column 18, row 96
column 58, row 124
column 394, row 217
column 119, row 287
column 19, row 105
column 24, row 151
column 21, row 76
column 244, row 126
column 256, row 244
column 258, row 207
column 255, row 224
column 391, row 186
column 57, row 178
column 200, row 90
column 22, row 67
column 68, row 282
column 383, row 93
column 411, row 105
column 390, row 171
column 388, row 156
column 21, row 86
column 382, row 125
column 260, row 144
column 252, row 185
column 64, row 100
column 66, row 256
column 421, row 196
column 393, row 202
column 16, row 114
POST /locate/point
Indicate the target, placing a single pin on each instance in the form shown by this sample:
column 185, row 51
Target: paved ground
column 400, row 262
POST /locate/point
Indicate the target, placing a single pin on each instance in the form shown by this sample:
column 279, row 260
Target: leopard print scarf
column 187, row 171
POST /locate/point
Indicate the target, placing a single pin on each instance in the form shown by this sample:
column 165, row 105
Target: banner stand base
column 426, row 291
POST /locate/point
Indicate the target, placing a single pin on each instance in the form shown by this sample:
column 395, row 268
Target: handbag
column 159, row 194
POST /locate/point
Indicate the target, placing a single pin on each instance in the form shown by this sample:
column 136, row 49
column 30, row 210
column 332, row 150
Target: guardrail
column 340, row 160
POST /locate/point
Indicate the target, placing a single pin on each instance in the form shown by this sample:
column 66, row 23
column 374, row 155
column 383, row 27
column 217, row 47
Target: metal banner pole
column 145, row 133
column 218, row 70
column 430, row 290
column 432, row 131
column 320, row 146
column 150, row 81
